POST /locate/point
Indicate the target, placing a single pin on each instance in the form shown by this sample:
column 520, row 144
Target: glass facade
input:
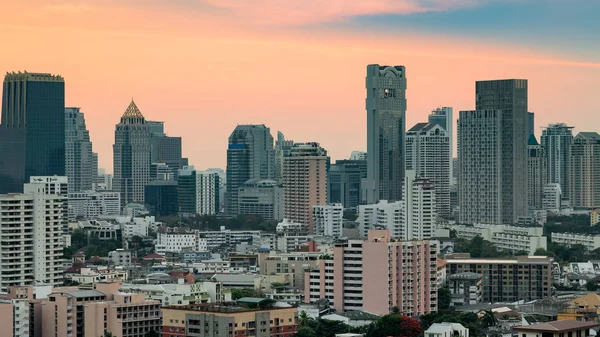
column 160, row 198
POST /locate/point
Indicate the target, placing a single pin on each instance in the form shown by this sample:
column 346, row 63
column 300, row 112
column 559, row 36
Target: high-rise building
column 187, row 190
column 585, row 171
column 304, row 182
column 250, row 155
column 282, row 149
column 444, row 117
column 160, row 198
column 81, row 162
column 207, row 188
column 428, row 154
column 536, row 173
column 492, row 153
column 358, row 155
column 557, row 140
column 343, row 180
column 131, row 156
column 377, row 275
column 31, row 236
column 386, row 125
column 531, row 123
column 328, row 219
column 261, row 197
column 164, row 149
column 93, row 204
column 32, row 132
column 419, row 207
column 222, row 186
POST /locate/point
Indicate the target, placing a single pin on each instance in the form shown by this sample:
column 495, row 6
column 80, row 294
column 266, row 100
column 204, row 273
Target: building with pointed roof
column 131, row 156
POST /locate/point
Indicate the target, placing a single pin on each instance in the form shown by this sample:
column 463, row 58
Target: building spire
column 132, row 111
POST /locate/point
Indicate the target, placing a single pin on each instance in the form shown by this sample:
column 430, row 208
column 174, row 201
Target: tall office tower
column 531, row 123
column 32, row 132
column 343, row 182
column 557, row 140
column 492, row 154
column 304, row 182
column 250, row 155
column 207, row 190
column 31, row 236
column 536, row 173
column 222, row 186
column 386, row 125
column 165, row 149
column 444, row 117
column 81, row 163
column 131, row 156
column 187, row 191
column 428, row 154
column 585, row 171
column 282, row 149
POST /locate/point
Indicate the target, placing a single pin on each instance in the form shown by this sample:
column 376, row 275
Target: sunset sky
column 298, row 66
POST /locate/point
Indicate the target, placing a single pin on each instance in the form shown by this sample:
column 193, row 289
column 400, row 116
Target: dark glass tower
column 32, row 132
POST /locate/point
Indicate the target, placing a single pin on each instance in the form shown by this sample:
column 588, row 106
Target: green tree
column 306, row 332
column 591, row 285
column 107, row 334
column 395, row 310
column 489, row 319
column 444, row 298
column 303, row 319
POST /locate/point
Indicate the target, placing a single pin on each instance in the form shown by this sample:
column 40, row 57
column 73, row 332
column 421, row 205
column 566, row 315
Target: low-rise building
column 557, row 329
column 121, row 257
column 446, row 329
column 177, row 242
column 296, row 264
column 286, row 294
column 168, row 294
column 194, row 256
column 102, row 274
column 465, row 289
column 590, row 242
column 353, row 318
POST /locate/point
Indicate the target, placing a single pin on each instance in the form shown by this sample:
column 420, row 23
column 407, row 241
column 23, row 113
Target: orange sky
column 203, row 72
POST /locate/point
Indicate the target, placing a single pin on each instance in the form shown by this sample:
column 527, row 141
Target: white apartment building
column 505, row 237
column 217, row 266
column 383, row 214
column 52, row 184
column 328, row 219
column 447, row 329
column 224, row 236
column 90, row 204
column 176, row 242
column 171, row 294
column 121, row 257
column 31, row 227
column 552, row 197
column 590, row 242
column 90, row 276
column 207, row 192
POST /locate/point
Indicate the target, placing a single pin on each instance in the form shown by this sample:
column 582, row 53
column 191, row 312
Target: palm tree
column 488, row 318
column 303, row 319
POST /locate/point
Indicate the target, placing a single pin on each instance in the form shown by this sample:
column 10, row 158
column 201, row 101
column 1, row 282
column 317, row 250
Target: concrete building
column 590, row 242
column 187, row 191
column 557, row 329
column 328, row 219
column 165, row 149
column 90, row 276
column 492, row 153
column 358, row 155
column 207, row 189
column 428, row 153
column 81, row 312
column 465, row 289
column 131, row 156
column 250, row 155
column 121, row 257
column 81, row 167
column 161, row 171
column 524, row 278
column 594, row 217
column 294, row 263
column 172, row 294
column 343, row 182
column 161, row 198
column 247, row 317
column 304, row 182
column 556, row 140
column 261, row 197
column 444, row 117
column 177, row 242
column 377, row 275
column 446, row 329
column 531, row 123
column 537, row 171
column 91, row 205
column 383, row 214
column 32, row 129
column 282, row 149
column 552, row 198
column 584, row 171
column 419, row 207
column 386, row 126
column 51, row 184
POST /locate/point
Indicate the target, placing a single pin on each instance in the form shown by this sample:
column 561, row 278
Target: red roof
column 79, row 254
column 94, row 259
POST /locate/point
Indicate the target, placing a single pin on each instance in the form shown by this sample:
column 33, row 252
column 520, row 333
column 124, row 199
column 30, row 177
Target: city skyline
column 108, row 67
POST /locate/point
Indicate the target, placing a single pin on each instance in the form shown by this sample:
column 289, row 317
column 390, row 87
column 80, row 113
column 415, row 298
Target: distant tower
column 536, row 173
column 444, row 117
column 585, row 171
column 531, row 123
column 81, row 162
column 32, row 133
column 386, row 125
column 131, row 156
column 282, row 149
column 557, row 140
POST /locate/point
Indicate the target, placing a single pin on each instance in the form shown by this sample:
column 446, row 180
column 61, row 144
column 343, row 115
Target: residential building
column 418, row 208
column 172, row 294
column 465, row 289
column 377, row 275
column 556, row 140
column 81, row 162
column 138, row 226
column 328, row 219
column 504, row 237
column 207, row 189
column 91, row 205
column 304, row 182
column 282, row 149
column 247, row 317
column 32, row 129
column 94, row 275
column 552, row 198
column 294, row 263
column 131, row 156
column 386, row 126
column 446, row 329
column 353, row 318
column 584, row 171
column 121, row 257
column 428, row 153
column 537, row 171
column 261, row 197
column 343, row 182
column 492, row 149
column 222, row 186
column 215, row 239
column 17, row 310
column 51, row 184
column 102, row 229
column 250, row 155
column 594, row 217
column 176, row 242
column 557, row 329
column 590, row 242
column 523, row 278
column 32, row 245
column 444, row 117
column 161, row 198
column 383, row 214
column 81, row 312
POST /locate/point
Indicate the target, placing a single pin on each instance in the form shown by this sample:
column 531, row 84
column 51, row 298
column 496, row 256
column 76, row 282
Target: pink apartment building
column 376, row 275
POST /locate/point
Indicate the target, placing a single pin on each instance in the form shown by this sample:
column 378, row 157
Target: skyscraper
column 165, row 149
column 444, row 117
column 492, row 153
column 343, row 182
column 585, row 171
column 250, row 155
column 131, row 156
column 531, row 123
column 32, row 133
column 81, row 162
column 557, row 140
column 304, row 182
column 536, row 173
column 428, row 154
column 282, row 149
column 386, row 124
